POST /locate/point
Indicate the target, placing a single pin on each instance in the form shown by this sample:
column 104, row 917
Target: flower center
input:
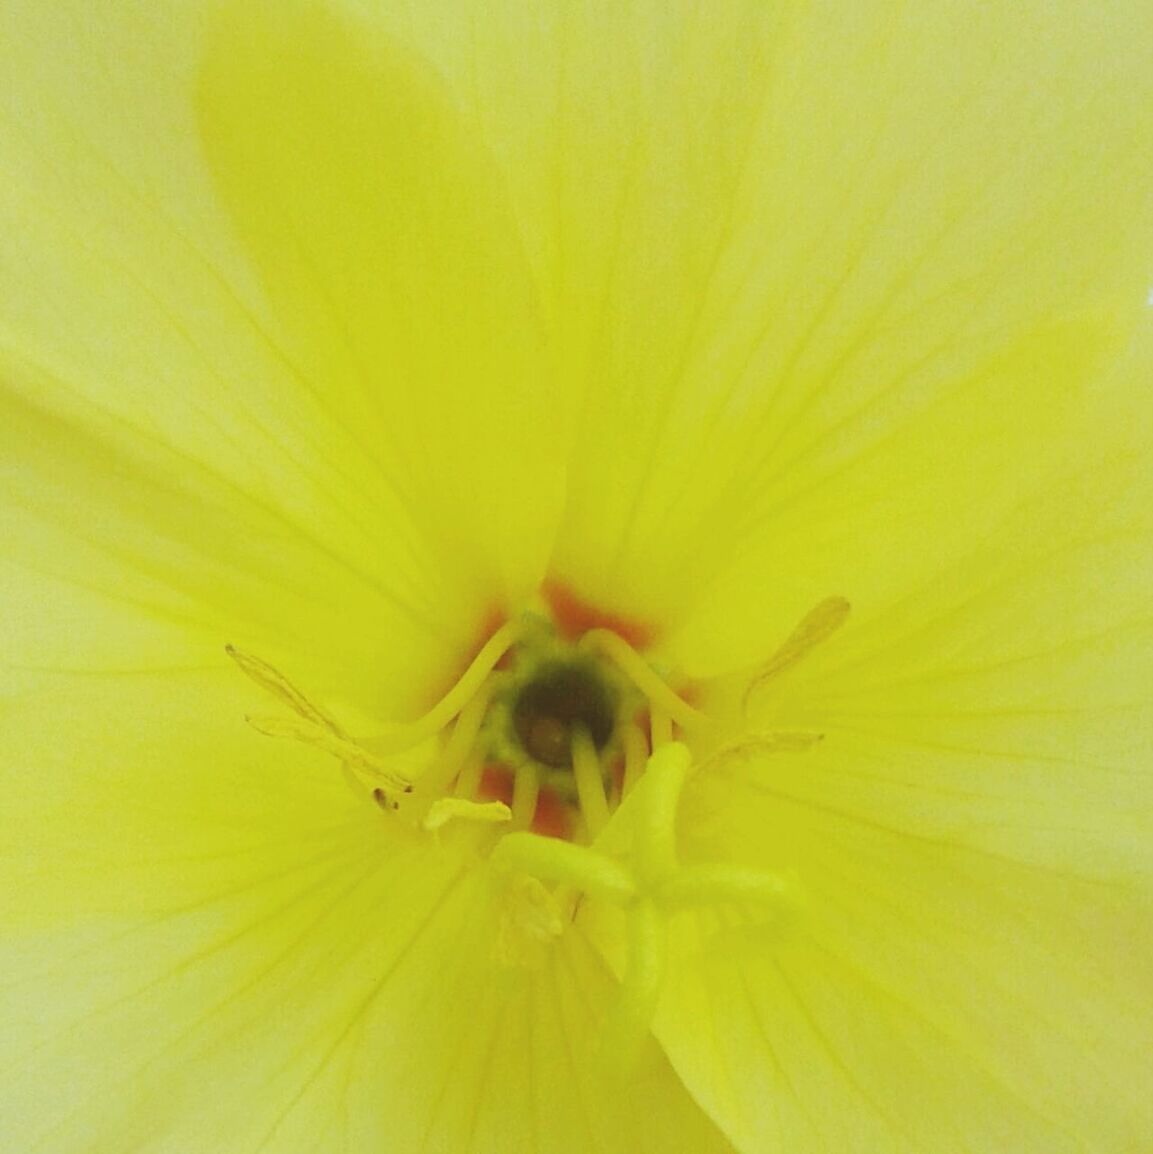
column 561, row 700
column 547, row 732
column 550, row 736
column 549, row 728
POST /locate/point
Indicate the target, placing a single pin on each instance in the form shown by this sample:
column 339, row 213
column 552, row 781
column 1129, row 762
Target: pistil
column 551, row 722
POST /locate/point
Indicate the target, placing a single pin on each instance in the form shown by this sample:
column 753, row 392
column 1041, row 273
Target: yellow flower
column 480, row 398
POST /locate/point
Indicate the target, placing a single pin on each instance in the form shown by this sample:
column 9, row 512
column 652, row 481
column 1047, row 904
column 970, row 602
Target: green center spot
column 559, row 700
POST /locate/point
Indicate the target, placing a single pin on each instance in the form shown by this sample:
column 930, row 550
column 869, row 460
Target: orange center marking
column 574, row 617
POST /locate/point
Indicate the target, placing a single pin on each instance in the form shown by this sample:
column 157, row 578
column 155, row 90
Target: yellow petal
column 818, row 273
column 209, row 942
column 134, row 326
column 383, row 233
column 121, row 552
column 974, row 839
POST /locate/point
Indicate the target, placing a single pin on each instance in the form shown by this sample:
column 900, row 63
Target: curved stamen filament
column 468, row 781
column 643, row 676
column 636, row 749
column 457, row 697
column 525, row 790
column 590, row 785
column 461, row 741
column 444, row 809
column 660, row 727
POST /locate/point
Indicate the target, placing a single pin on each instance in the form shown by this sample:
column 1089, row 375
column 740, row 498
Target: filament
column 643, row 676
column 457, row 697
column 469, row 780
column 450, row 762
column 636, row 749
column 525, row 791
column 589, row 782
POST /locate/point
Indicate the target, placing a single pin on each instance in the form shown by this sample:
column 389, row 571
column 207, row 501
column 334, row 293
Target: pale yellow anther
column 314, row 727
column 760, row 745
column 816, row 626
column 531, row 919
column 446, row 809
column 365, row 765
column 273, row 681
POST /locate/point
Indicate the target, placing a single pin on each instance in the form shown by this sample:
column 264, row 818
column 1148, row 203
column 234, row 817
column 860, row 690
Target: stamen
column 642, row 675
column 444, row 770
column 316, row 728
column 279, row 686
column 530, row 921
column 457, row 697
column 468, row 782
column 525, row 790
column 589, row 783
column 783, row 741
column 818, row 625
column 660, row 727
column 363, row 763
column 636, row 749
column 444, row 809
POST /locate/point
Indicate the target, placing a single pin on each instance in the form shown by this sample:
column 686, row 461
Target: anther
column 818, row 625
column 314, row 726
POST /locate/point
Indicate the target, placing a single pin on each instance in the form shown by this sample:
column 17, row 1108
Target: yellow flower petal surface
column 338, row 333
column 211, row 943
column 828, row 283
column 971, row 965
